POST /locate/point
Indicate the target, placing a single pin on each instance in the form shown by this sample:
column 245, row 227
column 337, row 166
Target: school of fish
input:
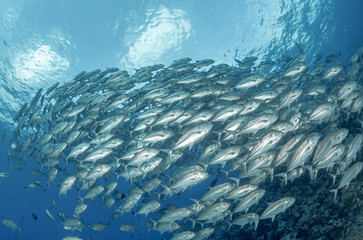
column 165, row 130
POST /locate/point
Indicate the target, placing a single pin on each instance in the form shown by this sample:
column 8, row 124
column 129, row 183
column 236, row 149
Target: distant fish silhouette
column 332, row 58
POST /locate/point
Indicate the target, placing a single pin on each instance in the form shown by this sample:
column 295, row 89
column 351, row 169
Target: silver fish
column 266, row 143
column 247, row 219
column 174, row 215
column 348, row 176
column 260, row 122
column 66, row 184
column 277, row 207
column 245, row 203
column 354, row 146
column 186, row 235
column 295, row 69
column 218, row 191
column 193, row 136
column 148, row 208
column 304, row 151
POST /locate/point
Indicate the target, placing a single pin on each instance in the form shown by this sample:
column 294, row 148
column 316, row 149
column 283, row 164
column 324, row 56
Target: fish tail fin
column 80, row 199
column 334, row 177
column 229, row 225
column 311, row 172
column 124, row 166
column 256, row 224
column 201, row 224
column 219, row 134
column 236, row 180
column 193, row 222
column 166, row 189
column 235, row 136
column 244, row 167
column 217, row 142
column 271, row 171
column 335, row 191
column 203, row 165
column 315, row 172
column 157, row 194
column 167, row 151
column 170, row 178
column 153, row 223
column 117, row 175
column 224, row 172
column 283, row 176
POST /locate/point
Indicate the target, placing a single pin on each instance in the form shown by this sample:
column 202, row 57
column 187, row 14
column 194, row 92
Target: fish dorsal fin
column 301, row 51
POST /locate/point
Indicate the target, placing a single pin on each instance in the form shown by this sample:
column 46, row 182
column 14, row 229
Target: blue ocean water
column 42, row 42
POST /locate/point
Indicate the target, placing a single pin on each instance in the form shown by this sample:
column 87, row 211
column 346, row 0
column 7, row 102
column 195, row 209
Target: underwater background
column 43, row 42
